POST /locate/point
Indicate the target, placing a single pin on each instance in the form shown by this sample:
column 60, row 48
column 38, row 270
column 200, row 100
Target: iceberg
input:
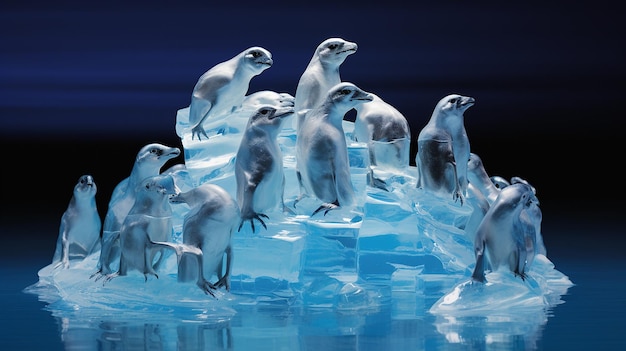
column 393, row 241
column 400, row 244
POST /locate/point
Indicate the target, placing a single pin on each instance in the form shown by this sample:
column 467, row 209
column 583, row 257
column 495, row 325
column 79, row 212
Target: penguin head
column 455, row 104
column 347, row 95
column 161, row 185
column 515, row 180
column 517, row 195
column 257, row 59
column 474, row 163
column 157, row 154
column 85, row 186
column 270, row 116
column 335, row 50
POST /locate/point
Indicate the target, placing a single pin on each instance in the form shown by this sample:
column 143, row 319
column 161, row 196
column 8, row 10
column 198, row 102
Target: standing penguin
column 79, row 233
column 322, row 163
column 532, row 217
column 208, row 226
column 321, row 74
column 147, row 229
column 378, row 121
column 503, row 236
column 222, row 89
column 259, row 165
column 387, row 134
column 443, row 149
column 149, row 161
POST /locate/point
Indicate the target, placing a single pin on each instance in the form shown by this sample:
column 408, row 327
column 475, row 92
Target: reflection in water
column 400, row 324
column 127, row 335
column 514, row 330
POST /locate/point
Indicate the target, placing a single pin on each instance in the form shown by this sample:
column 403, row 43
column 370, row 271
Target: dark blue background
column 83, row 87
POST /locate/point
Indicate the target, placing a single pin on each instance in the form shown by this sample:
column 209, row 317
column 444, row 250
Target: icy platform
column 397, row 247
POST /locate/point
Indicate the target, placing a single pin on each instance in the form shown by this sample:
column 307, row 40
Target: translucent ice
column 403, row 244
column 400, row 243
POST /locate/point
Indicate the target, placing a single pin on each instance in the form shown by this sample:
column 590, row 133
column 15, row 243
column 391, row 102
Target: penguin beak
column 171, row 153
column 363, row 96
column 466, row 102
column 283, row 112
column 350, row 48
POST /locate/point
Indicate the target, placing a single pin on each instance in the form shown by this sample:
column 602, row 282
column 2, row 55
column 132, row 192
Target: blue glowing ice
column 396, row 244
column 393, row 241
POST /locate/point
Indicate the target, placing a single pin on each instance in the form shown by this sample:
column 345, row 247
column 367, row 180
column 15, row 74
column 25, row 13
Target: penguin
column 321, row 74
column 532, row 217
column 503, row 237
column 146, row 230
column 149, row 161
column 323, row 168
column 259, row 165
column 222, row 88
column 378, row 121
column 79, row 232
column 387, row 134
column 443, row 149
column 208, row 226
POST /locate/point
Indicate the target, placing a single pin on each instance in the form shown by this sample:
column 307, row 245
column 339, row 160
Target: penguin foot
column 223, row 282
column 521, row 275
column 457, row 196
column 256, row 216
column 327, row 207
column 207, row 287
column 145, row 276
column 62, row 264
column 198, row 130
column 98, row 275
column 109, row 277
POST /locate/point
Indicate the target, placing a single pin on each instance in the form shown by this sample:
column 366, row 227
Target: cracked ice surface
column 394, row 246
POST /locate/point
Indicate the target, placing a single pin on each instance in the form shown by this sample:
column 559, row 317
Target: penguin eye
column 453, row 101
column 345, row 91
column 256, row 54
column 333, row 46
column 264, row 111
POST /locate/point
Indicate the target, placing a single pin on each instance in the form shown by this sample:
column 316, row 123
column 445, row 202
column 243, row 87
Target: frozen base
column 400, row 247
